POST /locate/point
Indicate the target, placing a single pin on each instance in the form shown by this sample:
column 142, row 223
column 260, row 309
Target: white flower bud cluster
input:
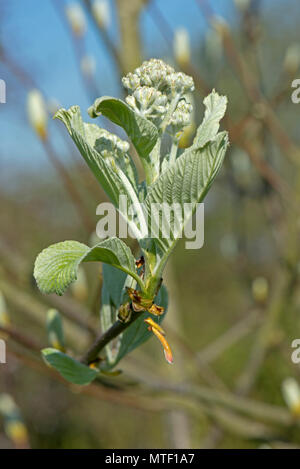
column 153, row 72
column 180, row 83
column 109, row 143
column 181, row 117
column 153, row 86
column 148, row 101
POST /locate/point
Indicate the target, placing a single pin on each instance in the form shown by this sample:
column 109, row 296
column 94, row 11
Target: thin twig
column 229, row 338
column 21, row 338
column 105, row 38
column 89, row 83
column 94, row 390
column 116, row 329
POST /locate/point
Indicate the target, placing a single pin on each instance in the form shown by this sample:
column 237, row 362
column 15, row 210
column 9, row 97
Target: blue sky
column 37, row 38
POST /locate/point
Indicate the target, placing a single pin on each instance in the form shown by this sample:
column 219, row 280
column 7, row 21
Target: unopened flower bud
column 88, row 65
column 153, row 73
column 148, row 102
column 260, row 289
column 131, row 101
column 145, row 96
column 4, row 318
column 291, row 395
column 153, row 86
column 180, row 83
column 182, row 114
column 101, row 12
column 182, row 49
column 13, row 424
column 76, row 18
column 37, row 113
column 131, row 81
column 124, row 313
column 150, row 97
column 109, row 144
column 292, row 58
column 7, row 405
column 17, row 432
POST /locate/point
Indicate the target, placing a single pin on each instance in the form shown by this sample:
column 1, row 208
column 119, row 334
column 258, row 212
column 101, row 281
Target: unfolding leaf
column 141, row 131
column 107, row 171
column 56, row 266
column 187, row 181
column 215, row 107
column 69, row 368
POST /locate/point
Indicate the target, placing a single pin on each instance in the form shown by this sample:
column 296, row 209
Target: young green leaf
column 69, row 368
column 55, row 330
column 56, row 267
column 141, row 131
column 215, row 107
column 186, row 181
column 106, row 170
column 85, row 137
column 113, row 284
